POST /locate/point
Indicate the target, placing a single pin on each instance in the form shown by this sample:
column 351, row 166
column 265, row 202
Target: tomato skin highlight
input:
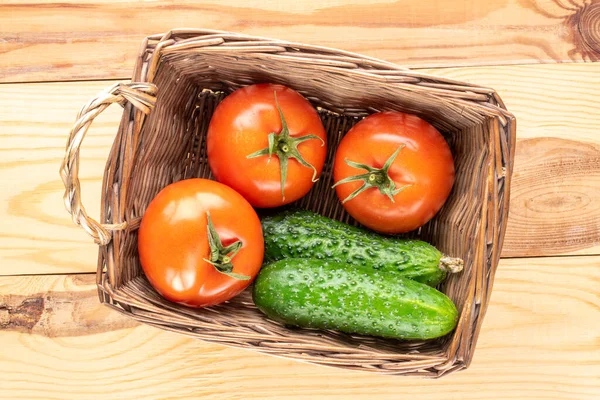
column 240, row 126
column 173, row 242
column 424, row 168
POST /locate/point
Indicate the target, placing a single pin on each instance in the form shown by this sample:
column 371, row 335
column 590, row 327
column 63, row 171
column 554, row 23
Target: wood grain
column 555, row 202
column 99, row 39
column 539, row 341
column 555, row 199
column 36, row 233
column 557, row 114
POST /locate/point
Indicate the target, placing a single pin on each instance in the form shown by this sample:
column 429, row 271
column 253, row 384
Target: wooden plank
column 555, row 199
column 99, row 39
column 36, row 234
column 539, row 341
column 557, row 116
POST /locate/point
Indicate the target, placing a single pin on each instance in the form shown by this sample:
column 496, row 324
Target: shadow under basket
column 179, row 79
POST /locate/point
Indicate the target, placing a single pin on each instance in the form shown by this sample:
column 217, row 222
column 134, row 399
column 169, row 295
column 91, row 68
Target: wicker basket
column 178, row 80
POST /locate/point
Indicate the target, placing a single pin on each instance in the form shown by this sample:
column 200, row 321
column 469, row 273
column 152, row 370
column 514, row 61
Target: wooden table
column 541, row 335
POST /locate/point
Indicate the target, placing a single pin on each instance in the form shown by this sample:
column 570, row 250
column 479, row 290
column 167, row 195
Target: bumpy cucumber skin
column 303, row 234
column 325, row 295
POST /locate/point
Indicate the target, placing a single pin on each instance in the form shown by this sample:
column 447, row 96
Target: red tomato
column 418, row 180
column 175, row 249
column 238, row 144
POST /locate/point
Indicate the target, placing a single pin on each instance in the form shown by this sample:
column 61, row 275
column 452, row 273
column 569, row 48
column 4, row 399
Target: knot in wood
column 588, row 27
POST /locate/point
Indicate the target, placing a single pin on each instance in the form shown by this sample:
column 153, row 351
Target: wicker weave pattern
column 192, row 71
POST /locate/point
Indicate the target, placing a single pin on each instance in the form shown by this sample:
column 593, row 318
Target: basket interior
column 172, row 147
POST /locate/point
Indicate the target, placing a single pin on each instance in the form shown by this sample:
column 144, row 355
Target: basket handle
column 143, row 97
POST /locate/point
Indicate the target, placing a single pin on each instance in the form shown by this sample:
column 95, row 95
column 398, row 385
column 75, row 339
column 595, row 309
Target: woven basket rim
column 155, row 44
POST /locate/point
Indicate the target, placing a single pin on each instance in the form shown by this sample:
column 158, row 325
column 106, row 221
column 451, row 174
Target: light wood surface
column 557, row 115
column 540, row 337
column 539, row 341
column 99, row 39
column 555, row 199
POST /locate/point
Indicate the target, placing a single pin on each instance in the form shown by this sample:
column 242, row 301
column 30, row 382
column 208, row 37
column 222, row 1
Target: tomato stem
column 374, row 177
column 285, row 147
column 221, row 256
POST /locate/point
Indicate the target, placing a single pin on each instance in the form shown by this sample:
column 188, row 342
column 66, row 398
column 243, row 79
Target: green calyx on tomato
column 374, row 177
column 285, row 147
column 221, row 256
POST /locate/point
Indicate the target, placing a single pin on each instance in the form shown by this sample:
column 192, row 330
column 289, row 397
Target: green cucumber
column 320, row 294
column 303, row 234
